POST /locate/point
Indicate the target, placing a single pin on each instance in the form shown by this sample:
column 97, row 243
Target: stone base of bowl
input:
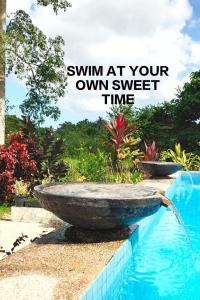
column 98, row 205
column 81, row 235
column 159, row 168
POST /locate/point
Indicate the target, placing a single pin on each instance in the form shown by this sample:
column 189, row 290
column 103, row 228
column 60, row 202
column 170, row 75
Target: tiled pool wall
column 104, row 287
column 101, row 288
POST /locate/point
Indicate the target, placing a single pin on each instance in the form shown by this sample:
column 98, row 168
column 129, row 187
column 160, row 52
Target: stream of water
column 185, row 231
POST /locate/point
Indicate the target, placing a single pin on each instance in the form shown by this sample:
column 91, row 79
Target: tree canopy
column 39, row 61
column 57, row 4
column 188, row 102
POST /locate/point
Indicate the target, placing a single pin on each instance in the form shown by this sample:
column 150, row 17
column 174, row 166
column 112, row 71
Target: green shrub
column 4, row 210
column 124, row 177
column 73, row 171
column 188, row 160
column 92, row 165
column 99, row 167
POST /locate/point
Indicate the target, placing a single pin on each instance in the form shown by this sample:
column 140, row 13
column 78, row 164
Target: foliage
column 188, row 101
column 92, row 165
column 4, row 210
column 21, row 188
column 157, row 121
column 38, row 60
column 57, row 4
column 151, row 152
column 29, row 158
column 73, row 171
column 13, row 124
column 173, row 122
column 52, row 166
column 98, row 166
column 91, row 135
column 121, row 132
column 122, row 172
column 125, row 109
column 15, row 164
column 131, row 155
column 188, row 160
column 124, row 177
column 47, row 150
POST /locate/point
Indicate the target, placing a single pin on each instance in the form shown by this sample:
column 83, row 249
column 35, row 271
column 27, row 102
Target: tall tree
column 34, row 58
column 2, row 72
column 39, row 61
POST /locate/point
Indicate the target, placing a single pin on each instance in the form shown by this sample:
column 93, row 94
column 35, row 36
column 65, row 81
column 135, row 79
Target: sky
column 123, row 32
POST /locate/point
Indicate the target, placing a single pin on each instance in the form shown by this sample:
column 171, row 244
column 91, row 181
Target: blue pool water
column 162, row 265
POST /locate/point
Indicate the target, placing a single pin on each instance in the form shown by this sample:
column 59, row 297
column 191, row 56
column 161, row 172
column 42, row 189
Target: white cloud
column 14, row 5
column 123, row 32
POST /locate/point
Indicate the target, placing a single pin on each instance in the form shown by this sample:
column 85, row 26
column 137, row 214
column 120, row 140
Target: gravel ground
column 72, row 267
column 19, row 287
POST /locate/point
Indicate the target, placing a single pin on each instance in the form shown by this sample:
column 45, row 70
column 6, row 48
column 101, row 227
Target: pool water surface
column 164, row 264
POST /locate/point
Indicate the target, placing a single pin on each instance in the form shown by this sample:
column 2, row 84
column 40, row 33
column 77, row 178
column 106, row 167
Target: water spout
column 164, row 200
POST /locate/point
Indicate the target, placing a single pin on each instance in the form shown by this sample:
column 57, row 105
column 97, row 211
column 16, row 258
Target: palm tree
column 2, row 74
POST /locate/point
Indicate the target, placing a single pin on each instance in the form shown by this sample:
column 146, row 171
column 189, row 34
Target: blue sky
column 194, row 32
column 122, row 38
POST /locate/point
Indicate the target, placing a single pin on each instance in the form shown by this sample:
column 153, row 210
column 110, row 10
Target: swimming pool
column 157, row 261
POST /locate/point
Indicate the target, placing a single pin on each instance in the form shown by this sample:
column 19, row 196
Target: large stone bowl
column 99, row 205
column 159, row 168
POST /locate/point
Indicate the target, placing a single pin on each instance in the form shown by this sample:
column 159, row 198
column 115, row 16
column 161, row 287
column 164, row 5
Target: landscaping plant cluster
column 27, row 160
column 106, row 151
column 15, row 164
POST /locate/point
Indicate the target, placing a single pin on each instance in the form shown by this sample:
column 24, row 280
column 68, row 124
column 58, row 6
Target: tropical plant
column 151, row 152
column 99, row 167
column 15, row 164
column 47, row 149
column 188, row 160
column 51, row 163
column 125, row 176
column 121, row 132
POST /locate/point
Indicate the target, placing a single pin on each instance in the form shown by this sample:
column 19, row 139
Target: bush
column 99, row 167
column 188, row 160
column 15, row 164
column 92, row 165
column 47, row 150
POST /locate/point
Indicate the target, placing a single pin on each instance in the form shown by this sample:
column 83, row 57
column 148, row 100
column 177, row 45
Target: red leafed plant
column 119, row 129
column 151, row 152
column 15, row 164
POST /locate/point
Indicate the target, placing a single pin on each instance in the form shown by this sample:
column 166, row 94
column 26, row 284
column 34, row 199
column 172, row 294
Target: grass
column 4, row 210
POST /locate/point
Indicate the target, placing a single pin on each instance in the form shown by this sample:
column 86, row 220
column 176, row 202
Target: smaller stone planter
column 159, row 168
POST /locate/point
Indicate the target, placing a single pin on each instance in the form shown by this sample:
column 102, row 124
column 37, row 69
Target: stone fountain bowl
column 159, row 168
column 99, row 205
